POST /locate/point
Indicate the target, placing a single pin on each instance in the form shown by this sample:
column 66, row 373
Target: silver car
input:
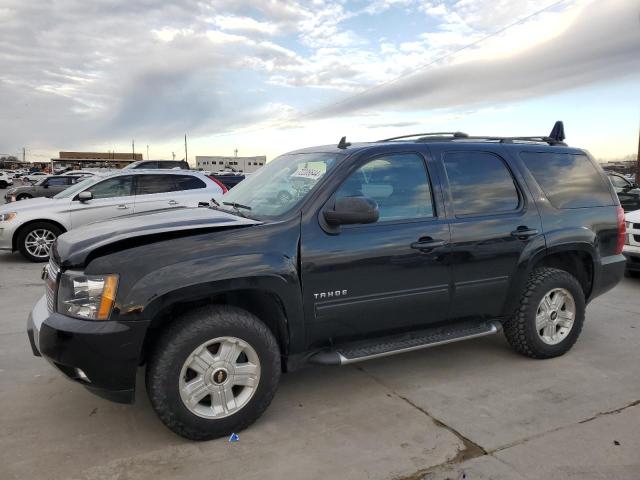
column 31, row 226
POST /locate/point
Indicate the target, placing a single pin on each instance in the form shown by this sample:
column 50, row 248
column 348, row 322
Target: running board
column 407, row 342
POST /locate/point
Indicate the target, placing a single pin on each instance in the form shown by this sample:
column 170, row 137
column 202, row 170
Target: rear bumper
column 607, row 275
column 103, row 356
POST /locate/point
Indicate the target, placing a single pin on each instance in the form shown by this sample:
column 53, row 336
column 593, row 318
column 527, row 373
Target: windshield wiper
column 237, row 206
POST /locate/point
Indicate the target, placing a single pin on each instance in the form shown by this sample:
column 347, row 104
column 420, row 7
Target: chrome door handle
column 428, row 243
column 523, row 233
column 173, row 202
column 122, row 207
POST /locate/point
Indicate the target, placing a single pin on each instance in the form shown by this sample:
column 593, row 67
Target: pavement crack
column 610, row 412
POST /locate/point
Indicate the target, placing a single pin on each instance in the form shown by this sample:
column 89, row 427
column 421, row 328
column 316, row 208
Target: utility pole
column 173, row 154
column 147, row 152
column 638, row 159
column 236, row 152
column 133, row 149
column 186, row 156
column 24, row 154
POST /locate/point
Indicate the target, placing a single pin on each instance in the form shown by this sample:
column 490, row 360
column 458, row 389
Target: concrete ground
column 473, row 408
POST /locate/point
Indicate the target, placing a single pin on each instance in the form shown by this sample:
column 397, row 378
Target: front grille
column 636, row 226
column 51, row 284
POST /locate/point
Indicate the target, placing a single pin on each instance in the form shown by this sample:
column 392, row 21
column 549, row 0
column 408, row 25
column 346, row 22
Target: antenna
column 343, row 144
column 557, row 132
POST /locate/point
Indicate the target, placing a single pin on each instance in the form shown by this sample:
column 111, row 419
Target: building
column 238, row 164
column 82, row 160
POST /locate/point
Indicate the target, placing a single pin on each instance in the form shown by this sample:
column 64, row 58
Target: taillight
column 622, row 231
column 220, row 184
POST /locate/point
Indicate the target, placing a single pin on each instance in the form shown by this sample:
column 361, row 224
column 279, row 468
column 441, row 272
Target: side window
column 188, row 182
column 56, row 182
column 568, row 180
column 480, row 183
column 398, row 183
column 112, row 187
column 147, row 184
column 618, row 182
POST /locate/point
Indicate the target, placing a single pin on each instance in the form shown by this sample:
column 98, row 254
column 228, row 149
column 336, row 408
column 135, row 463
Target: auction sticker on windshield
column 311, row 173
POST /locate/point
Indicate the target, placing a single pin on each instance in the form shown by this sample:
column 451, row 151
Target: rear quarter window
column 568, row 180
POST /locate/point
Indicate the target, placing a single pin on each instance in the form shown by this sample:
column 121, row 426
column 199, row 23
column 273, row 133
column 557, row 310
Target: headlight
column 90, row 297
column 7, row 217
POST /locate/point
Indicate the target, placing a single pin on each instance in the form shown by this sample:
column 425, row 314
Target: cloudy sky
column 271, row 76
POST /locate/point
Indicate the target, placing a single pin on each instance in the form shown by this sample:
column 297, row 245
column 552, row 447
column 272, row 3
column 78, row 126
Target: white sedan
column 31, row 226
column 34, row 177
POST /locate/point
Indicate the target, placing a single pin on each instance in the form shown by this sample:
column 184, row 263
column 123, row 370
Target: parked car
column 31, row 227
column 5, row 180
column 84, row 173
column 229, row 179
column 47, row 187
column 632, row 244
column 628, row 192
column 34, row 177
column 397, row 245
column 161, row 164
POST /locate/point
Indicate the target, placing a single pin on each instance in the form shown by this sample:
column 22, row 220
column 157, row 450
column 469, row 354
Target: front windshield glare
column 71, row 191
column 281, row 184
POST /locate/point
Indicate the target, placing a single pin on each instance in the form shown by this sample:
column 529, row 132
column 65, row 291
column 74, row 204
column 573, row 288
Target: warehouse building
column 238, row 164
column 82, row 160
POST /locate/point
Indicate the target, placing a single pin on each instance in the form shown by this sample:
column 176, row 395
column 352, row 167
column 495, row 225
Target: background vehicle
column 34, row 177
column 628, row 192
column 632, row 244
column 5, row 180
column 161, row 164
column 382, row 248
column 229, row 179
column 31, row 227
column 47, row 187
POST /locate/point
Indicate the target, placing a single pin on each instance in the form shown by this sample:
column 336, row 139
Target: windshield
column 280, row 185
column 72, row 190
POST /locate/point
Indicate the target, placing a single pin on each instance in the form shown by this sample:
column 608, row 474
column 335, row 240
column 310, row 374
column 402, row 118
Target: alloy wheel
column 555, row 316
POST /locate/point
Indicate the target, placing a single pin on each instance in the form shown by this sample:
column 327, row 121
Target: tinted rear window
column 568, row 180
column 480, row 183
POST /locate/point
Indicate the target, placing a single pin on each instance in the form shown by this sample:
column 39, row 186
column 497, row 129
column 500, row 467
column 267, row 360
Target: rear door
column 54, row 185
column 155, row 192
column 112, row 197
column 493, row 220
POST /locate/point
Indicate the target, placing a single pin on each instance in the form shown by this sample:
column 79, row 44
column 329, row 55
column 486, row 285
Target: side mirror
column 85, row 196
column 351, row 210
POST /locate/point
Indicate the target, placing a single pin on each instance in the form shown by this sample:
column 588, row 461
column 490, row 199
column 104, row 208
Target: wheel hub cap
column 219, row 377
column 555, row 316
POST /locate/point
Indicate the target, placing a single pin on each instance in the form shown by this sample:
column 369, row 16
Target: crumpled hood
column 73, row 247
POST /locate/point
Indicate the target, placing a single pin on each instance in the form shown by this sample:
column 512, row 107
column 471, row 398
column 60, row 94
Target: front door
column 493, row 220
column 380, row 277
column 113, row 197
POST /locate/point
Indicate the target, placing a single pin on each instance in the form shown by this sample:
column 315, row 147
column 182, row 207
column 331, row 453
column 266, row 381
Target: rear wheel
column 213, row 372
column 3, row 184
column 631, row 274
column 23, row 196
column 35, row 240
column 550, row 317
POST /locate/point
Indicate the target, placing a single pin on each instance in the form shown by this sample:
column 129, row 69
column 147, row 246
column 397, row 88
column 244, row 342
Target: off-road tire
column 520, row 329
column 177, row 342
column 631, row 274
column 3, row 184
column 22, row 235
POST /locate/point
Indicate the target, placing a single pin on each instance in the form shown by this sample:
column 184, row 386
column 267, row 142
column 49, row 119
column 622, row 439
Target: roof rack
column 556, row 137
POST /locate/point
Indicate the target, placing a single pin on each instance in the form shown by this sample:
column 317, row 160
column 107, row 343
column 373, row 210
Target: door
column 385, row 276
column 54, row 185
column 156, row 192
column 112, row 197
column 493, row 220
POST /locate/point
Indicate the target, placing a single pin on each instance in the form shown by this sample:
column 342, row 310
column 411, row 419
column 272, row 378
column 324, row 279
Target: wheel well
column 14, row 240
column 264, row 305
column 577, row 263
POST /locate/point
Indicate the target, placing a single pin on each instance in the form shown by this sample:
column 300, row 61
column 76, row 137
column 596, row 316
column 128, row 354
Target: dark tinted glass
column 187, row 182
column 618, row 182
column 154, row 184
column 398, row 183
column 112, row 187
column 568, row 180
column 56, row 182
column 480, row 183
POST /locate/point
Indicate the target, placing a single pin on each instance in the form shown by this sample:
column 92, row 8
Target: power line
column 401, row 77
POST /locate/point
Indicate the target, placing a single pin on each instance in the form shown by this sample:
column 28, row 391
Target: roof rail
column 430, row 134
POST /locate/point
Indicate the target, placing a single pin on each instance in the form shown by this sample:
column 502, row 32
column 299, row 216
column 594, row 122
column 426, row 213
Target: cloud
column 603, row 43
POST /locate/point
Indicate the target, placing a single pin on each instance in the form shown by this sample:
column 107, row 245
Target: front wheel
column 213, row 372
column 35, row 240
column 550, row 317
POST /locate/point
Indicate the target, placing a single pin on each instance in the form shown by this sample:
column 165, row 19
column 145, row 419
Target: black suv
column 380, row 248
column 628, row 192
